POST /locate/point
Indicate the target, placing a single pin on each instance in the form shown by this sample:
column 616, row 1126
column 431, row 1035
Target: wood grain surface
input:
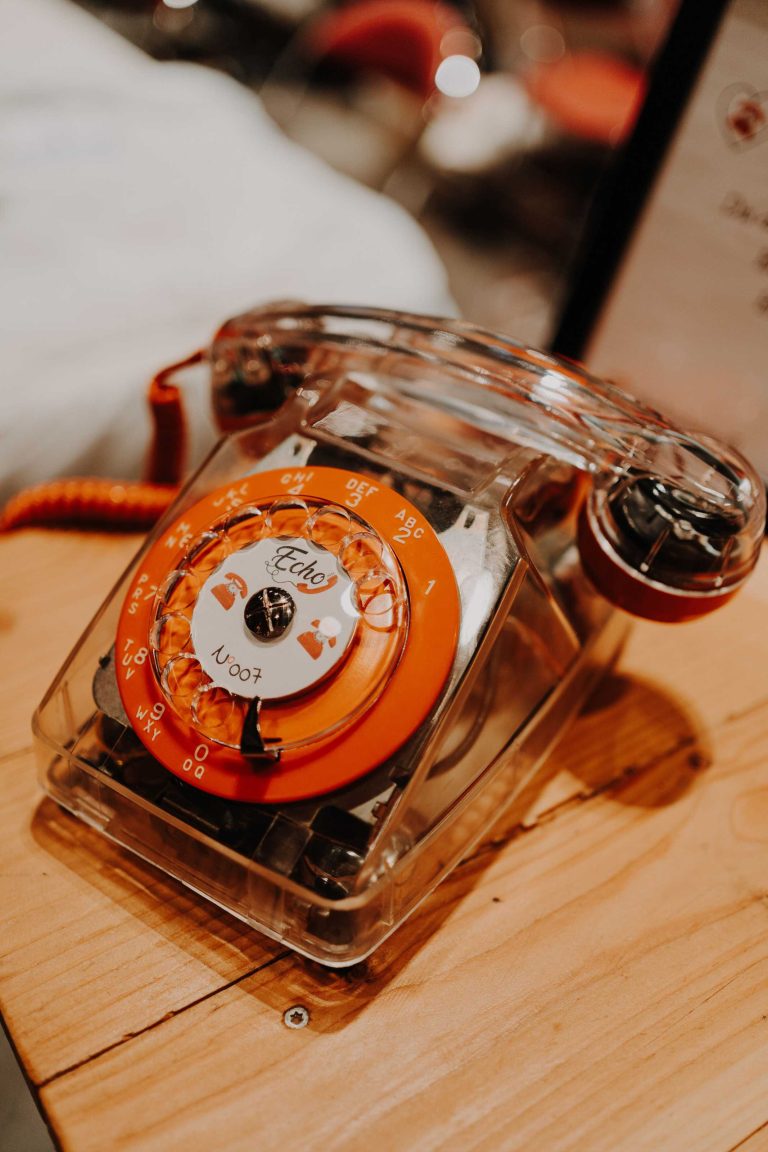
column 594, row 977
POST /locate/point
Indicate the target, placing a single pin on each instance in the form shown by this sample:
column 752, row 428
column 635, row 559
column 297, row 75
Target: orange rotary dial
column 287, row 634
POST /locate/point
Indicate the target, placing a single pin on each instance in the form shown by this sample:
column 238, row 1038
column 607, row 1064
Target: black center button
column 268, row 613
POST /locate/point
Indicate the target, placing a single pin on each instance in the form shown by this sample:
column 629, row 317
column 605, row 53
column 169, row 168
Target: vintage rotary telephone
column 368, row 616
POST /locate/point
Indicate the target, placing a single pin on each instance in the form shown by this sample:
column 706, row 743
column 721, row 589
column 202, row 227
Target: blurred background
column 141, row 205
column 167, row 163
column 491, row 122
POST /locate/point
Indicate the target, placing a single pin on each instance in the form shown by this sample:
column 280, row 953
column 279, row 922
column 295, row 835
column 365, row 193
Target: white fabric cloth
column 140, row 205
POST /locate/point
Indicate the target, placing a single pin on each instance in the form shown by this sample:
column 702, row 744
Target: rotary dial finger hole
column 218, row 714
column 181, row 677
column 170, row 634
column 208, row 552
column 360, row 553
column 178, row 592
column 375, row 595
column 328, row 526
column 286, row 517
column 244, row 527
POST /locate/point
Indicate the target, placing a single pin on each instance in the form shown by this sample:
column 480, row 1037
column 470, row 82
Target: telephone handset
column 369, row 615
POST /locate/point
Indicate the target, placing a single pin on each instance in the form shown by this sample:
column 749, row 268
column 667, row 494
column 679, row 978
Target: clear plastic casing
column 430, row 478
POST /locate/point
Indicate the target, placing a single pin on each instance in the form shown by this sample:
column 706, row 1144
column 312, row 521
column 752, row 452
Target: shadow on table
column 632, row 744
column 215, row 938
column 635, row 743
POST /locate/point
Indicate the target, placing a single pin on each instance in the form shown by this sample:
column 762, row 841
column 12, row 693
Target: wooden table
column 594, row 977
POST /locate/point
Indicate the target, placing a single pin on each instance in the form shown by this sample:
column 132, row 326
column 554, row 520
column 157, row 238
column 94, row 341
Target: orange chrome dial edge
column 409, row 695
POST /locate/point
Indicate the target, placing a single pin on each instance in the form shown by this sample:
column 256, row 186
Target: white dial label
column 274, row 619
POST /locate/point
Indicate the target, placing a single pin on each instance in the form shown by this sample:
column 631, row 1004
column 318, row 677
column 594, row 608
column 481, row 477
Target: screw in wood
column 296, row 1017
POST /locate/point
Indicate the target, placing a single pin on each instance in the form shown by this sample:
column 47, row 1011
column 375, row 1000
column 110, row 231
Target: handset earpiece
column 665, row 552
column 672, row 525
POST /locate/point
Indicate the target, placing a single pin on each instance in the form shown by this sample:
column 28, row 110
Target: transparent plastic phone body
column 358, row 632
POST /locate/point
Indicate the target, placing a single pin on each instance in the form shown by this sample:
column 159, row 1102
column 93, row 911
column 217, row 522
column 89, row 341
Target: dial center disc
column 274, row 619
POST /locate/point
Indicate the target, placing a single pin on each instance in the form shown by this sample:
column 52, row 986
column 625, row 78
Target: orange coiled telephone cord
column 127, row 506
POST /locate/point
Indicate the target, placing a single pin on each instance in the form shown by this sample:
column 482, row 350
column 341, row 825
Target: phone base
column 285, row 869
